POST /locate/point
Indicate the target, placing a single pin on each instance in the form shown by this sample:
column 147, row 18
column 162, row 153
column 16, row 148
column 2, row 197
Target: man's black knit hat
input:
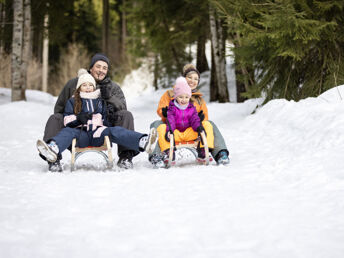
column 98, row 57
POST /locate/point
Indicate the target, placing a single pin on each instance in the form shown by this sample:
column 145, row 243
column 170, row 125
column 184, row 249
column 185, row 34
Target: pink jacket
column 182, row 119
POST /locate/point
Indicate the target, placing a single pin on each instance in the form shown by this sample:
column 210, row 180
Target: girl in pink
column 183, row 121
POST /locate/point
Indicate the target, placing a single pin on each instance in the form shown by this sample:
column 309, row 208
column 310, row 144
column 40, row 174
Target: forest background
column 289, row 49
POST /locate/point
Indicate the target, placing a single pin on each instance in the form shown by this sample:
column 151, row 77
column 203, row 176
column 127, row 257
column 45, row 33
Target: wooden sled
column 106, row 147
column 191, row 145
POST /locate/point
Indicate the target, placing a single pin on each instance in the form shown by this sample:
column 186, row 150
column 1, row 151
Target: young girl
column 84, row 118
column 183, row 121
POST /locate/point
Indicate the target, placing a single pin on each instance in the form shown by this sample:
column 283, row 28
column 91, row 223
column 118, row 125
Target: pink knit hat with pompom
column 181, row 87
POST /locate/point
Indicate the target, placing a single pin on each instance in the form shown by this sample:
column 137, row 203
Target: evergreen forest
column 289, row 49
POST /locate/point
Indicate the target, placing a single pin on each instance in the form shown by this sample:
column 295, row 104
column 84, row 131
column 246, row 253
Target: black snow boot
column 56, row 166
column 125, row 159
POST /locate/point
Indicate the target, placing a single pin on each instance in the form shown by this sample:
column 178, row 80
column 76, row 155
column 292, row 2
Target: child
column 183, row 121
column 84, row 118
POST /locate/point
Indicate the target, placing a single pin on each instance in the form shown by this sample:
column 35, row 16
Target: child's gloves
column 200, row 129
column 83, row 117
column 105, row 94
column 164, row 111
column 201, row 115
column 167, row 136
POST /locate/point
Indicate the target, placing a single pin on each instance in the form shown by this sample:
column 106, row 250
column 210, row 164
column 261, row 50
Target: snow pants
column 119, row 135
column 55, row 124
column 188, row 135
column 219, row 141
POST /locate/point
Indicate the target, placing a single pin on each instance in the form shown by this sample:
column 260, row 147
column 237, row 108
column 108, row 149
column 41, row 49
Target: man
column 117, row 113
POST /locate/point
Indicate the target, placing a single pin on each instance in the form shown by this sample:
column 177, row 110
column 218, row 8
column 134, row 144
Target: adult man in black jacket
column 117, row 113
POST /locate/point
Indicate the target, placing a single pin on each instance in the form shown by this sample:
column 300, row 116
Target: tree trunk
column 217, row 40
column 242, row 72
column 172, row 47
column 156, row 72
column 123, row 31
column 105, row 36
column 201, row 63
column 45, row 55
column 26, row 40
column 213, row 79
column 2, row 28
column 17, row 48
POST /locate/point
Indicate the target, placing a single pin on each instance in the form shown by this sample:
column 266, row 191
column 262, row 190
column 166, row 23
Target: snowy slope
column 281, row 196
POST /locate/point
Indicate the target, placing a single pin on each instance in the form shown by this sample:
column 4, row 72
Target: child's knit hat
column 181, row 87
column 84, row 76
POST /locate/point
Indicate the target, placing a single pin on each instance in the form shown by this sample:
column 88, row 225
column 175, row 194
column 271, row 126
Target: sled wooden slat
column 189, row 145
column 106, row 147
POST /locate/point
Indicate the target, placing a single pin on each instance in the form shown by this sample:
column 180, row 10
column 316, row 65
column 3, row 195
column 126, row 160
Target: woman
column 192, row 76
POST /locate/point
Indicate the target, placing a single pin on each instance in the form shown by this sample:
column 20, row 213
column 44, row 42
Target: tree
column 26, row 41
column 219, row 54
column 45, row 54
column 290, row 49
column 2, row 26
column 18, row 90
column 105, row 30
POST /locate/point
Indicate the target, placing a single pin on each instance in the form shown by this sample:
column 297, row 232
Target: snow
column 281, row 196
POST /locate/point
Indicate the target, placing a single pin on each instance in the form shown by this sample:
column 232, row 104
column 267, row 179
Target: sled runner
column 106, row 147
column 191, row 145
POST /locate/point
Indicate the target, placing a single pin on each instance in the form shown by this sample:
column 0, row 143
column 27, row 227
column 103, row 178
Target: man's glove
column 201, row 115
column 164, row 111
column 110, row 108
column 105, row 93
column 83, row 117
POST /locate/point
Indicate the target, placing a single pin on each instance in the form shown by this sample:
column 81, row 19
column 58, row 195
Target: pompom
column 82, row 71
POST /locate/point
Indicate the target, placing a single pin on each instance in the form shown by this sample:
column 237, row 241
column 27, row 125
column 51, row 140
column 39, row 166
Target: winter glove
column 114, row 119
column 110, row 109
column 201, row 115
column 105, row 93
column 200, row 129
column 83, row 117
column 167, row 136
column 164, row 111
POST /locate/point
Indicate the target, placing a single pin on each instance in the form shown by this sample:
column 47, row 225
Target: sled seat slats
column 106, row 147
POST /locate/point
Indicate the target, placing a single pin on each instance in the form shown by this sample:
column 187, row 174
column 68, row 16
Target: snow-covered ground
column 281, row 196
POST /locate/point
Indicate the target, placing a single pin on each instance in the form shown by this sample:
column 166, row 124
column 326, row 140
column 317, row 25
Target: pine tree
column 295, row 47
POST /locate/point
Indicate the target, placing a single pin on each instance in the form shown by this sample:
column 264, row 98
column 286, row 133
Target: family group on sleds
column 91, row 106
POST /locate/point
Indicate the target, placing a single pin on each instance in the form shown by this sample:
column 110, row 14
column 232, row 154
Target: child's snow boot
column 49, row 151
column 166, row 157
column 201, row 156
column 147, row 143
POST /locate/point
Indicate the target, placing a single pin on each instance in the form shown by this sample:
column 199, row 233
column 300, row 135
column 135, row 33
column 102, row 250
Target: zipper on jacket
column 183, row 119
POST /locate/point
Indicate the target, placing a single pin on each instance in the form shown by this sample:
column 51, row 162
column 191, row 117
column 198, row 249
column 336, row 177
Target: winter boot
column 166, row 157
column 55, row 166
column 157, row 160
column 222, row 158
column 49, row 151
column 201, row 155
column 147, row 143
column 125, row 159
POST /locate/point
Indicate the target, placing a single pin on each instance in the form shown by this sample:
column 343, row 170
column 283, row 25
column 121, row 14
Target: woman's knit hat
column 181, row 87
column 188, row 68
column 84, row 76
